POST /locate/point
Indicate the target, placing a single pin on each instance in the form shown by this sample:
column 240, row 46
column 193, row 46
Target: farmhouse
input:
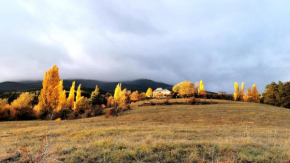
column 161, row 93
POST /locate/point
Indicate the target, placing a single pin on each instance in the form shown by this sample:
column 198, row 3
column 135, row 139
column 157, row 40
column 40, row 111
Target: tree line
column 54, row 101
column 277, row 94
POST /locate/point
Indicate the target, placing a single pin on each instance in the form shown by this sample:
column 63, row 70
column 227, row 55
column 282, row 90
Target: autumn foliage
column 201, row 90
column 134, row 96
column 53, row 102
column 149, row 93
column 251, row 96
column 185, row 88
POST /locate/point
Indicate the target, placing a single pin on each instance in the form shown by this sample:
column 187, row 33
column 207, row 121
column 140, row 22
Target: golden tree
column 71, row 97
column 96, row 92
column 118, row 90
column 62, row 96
column 149, row 92
column 22, row 106
column 242, row 94
column 185, row 88
column 110, row 101
column 78, row 97
column 49, row 95
column 201, row 90
column 94, row 96
column 142, row 96
column 120, row 96
column 255, row 94
column 237, row 91
column 249, row 95
column 134, row 96
column 5, row 110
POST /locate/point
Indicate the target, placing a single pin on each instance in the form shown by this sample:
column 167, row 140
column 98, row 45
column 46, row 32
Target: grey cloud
column 221, row 42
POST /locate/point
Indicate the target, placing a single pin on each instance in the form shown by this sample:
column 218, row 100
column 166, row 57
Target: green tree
column 270, row 94
column 95, row 99
column 284, row 95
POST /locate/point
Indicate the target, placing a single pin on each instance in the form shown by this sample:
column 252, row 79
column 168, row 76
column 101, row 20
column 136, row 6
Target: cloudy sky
column 169, row 41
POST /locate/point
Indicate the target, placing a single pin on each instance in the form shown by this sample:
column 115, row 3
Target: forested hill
column 140, row 85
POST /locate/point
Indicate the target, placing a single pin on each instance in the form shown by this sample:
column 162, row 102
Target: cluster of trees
column 52, row 102
column 123, row 97
column 20, row 109
column 252, row 95
column 277, row 94
column 188, row 89
column 53, row 99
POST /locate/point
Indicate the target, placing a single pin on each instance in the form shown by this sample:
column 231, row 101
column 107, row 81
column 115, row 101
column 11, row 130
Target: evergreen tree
column 95, row 99
column 284, row 95
column 280, row 93
column 270, row 94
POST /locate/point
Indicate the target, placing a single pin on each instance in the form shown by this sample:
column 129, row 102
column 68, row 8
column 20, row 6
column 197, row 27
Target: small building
column 161, row 93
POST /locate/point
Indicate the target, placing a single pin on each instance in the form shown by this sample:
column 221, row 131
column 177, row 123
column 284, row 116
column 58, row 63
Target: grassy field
column 223, row 132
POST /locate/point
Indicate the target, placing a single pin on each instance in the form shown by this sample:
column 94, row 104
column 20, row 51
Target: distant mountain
column 14, row 86
column 140, row 85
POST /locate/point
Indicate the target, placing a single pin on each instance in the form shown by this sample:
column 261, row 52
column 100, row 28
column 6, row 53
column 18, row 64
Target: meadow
column 226, row 131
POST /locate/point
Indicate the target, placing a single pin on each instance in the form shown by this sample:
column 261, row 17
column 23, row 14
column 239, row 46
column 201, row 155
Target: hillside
column 140, row 85
column 224, row 132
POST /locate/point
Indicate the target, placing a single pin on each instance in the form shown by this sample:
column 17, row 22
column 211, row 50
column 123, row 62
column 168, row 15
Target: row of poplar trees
column 52, row 98
column 252, row 95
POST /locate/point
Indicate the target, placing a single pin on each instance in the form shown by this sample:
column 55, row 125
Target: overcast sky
column 169, row 41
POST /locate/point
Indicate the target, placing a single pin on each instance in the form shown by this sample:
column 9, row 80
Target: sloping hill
column 140, row 85
column 224, row 132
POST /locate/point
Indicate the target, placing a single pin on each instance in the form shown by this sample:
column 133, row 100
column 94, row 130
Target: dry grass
column 224, row 132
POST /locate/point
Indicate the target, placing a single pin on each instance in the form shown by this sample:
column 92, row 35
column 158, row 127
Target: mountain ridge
column 138, row 84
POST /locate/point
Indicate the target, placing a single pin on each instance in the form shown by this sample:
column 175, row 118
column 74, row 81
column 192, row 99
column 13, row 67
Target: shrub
column 115, row 111
column 95, row 111
column 23, row 106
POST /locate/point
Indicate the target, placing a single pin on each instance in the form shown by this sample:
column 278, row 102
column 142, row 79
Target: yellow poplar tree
column 255, row 94
column 71, row 97
column 201, row 90
column 249, row 94
column 78, row 96
column 120, row 96
column 236, row 94
column 149, row 92
column 242, row 94
column 118, row 90
column 49, row 95
column 96, row 91
column 94, row 96
column 62, row 96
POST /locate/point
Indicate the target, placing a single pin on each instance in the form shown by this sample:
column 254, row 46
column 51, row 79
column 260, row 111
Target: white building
column 161, row 93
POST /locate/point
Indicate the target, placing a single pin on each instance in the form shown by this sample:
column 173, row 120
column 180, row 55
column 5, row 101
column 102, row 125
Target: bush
column 95, row 111
column 115, row 111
